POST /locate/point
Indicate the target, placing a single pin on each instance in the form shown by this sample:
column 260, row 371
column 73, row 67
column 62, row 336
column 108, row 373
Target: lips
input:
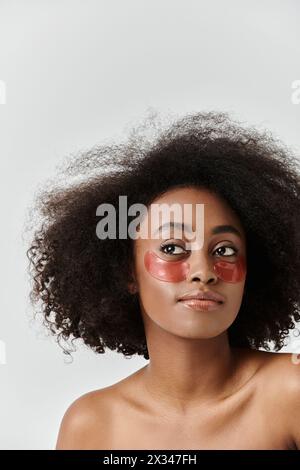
column 202, row 295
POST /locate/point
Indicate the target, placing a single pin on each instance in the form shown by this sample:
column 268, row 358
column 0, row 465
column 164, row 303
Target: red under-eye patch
column 231, row 272
column 170, row 271
column 176, row 271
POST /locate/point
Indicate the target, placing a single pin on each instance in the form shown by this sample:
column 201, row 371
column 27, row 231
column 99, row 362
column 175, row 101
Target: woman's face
column 168, row 267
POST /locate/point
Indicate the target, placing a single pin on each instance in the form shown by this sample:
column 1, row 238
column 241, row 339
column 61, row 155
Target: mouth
column 202, row 300
column 201, row 304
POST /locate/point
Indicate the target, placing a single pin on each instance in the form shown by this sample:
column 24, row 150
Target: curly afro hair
column 82, row 282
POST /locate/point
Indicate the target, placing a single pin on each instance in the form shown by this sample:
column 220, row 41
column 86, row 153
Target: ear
column 132, row 287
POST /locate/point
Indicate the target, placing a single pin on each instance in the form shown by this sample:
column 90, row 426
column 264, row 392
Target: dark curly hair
column 82, row 281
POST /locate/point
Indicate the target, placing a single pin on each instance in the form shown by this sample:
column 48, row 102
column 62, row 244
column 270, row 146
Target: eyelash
column 186, row 251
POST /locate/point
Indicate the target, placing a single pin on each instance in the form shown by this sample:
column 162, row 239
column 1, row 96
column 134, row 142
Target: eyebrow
column 214, row 231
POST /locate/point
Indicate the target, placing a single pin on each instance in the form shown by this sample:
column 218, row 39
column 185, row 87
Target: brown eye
column 170, row 249
column 222, row 250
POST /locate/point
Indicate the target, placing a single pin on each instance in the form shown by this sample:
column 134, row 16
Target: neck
column 184, row 372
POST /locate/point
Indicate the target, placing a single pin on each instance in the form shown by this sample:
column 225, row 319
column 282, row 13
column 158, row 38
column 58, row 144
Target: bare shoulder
column 287, row 370
column 280, row 373
column 274, row 364
column 282, row 370
column 89, row 420
column 86, row 423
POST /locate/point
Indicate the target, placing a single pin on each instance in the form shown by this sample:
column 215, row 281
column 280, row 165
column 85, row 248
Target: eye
column 168, row 249
column 222, row 249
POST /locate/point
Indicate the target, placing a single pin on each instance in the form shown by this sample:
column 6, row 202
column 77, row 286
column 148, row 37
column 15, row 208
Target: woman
column 199, row 315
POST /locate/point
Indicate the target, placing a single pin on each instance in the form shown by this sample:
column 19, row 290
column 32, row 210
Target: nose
column 201, row 269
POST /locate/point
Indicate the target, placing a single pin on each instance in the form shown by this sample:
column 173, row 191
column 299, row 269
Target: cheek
column 177, row 271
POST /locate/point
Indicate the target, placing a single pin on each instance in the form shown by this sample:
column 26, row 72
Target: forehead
column 216, row 210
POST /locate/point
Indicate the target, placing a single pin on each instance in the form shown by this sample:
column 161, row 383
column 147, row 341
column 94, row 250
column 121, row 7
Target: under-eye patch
column 176, row 271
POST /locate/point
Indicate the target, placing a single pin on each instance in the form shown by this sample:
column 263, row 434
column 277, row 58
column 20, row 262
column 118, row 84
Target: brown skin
column 196, row 392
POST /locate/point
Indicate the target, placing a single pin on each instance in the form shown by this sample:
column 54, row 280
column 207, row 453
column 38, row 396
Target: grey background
column 79, row 72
